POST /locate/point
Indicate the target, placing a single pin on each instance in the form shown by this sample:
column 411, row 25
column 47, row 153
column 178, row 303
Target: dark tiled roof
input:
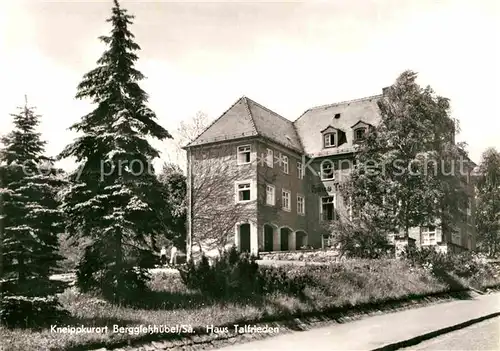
column 236, row 122
column 248, row 118
column 314, row 120
column 273, row 126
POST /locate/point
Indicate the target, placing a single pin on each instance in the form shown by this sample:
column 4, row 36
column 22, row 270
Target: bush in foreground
column 235, row 274
column 123, row 284
column 356, row 239
column 26, row 312
column 470, row 268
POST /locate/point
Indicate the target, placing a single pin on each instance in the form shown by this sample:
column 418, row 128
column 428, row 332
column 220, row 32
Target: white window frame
column 272, row 193
column 334, row 202
column 238, row 190
column 301, row 199
column 426, row 236
column 332, row 175
column 239, row 152
column 328, row 136
column 289, row 193
column 285, row 162
column 270, row 158
column 300, row 170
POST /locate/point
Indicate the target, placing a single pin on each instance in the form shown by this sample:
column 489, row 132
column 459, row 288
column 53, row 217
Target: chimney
column 385, row 90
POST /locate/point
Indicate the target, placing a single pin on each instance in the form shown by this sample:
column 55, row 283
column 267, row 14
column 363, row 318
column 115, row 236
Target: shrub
column 360, row 240
column 30, row 312
column 235, row 274
column 230, row 274
column 287, row 280
column 466, row 265
column 118, row 284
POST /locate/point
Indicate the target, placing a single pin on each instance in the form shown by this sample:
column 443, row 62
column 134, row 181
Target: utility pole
column 1, row 226
column 189, row 238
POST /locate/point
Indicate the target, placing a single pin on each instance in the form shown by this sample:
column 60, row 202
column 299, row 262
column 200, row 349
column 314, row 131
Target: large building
column 255, row 178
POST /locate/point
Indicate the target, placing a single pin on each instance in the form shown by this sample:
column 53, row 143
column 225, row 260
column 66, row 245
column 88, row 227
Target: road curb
column 427, row 336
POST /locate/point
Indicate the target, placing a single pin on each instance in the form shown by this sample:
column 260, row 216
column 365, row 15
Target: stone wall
column 302, row 255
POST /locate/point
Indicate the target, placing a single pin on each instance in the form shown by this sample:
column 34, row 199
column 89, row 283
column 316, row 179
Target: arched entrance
column 285, row 238
column 268, row 237
column 244, row 237
column 300, row 239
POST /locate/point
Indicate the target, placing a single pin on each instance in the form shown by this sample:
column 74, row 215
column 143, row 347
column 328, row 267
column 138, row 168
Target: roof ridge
column 247, row 106
column 213, row 122
column 338, row 103
column 297, row 136
column 269, row 110
column 346, row 102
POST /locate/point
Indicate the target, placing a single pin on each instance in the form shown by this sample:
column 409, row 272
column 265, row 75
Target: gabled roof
column 359, row 122
column 235, row 123
column 248, row 118
column 330, row 127
column 310, row 124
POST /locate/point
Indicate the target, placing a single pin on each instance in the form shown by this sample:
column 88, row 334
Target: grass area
column 170, row 303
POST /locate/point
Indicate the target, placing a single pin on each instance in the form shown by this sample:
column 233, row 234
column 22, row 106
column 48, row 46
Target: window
column 428, row 235
column 269, row 158
column 284, row 163
column 243, row 192
column 359, row 134
column 327, row 170
column 328, row 208
column 301, row 208
column 243, row 154
column 329, row 139
column 285, row 200
column 300, row 170
column 270, row 195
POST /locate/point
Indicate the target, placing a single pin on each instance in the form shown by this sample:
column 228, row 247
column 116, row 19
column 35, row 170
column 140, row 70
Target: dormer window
column 332, row 137
column 329, row 139
column 360, row 134
column 360, row 130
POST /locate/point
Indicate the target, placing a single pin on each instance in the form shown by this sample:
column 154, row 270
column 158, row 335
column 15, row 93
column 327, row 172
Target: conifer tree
column 115, row 199
column 31, row 224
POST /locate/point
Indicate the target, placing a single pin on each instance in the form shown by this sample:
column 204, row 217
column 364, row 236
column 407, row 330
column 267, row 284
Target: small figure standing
column 163, row 256
column 173, row 255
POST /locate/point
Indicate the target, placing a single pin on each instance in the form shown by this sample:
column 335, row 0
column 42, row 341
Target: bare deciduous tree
column 187, row 131
column 215, row 211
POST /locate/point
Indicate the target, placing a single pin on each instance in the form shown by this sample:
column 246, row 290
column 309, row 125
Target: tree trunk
column 118, row 264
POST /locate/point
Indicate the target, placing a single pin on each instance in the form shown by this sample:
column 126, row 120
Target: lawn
column 170, row 303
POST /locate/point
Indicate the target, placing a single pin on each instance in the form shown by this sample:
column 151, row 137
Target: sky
column 288, row 56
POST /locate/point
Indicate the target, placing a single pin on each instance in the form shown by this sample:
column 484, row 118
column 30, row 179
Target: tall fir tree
column 409, row 170
column 31, row 219
column 115, row 199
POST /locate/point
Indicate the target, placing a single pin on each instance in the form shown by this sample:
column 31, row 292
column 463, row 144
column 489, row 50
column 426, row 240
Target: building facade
column 259, row 181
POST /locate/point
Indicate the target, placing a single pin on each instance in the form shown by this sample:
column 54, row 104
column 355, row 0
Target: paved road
column 380, row 330
column 484, row 336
